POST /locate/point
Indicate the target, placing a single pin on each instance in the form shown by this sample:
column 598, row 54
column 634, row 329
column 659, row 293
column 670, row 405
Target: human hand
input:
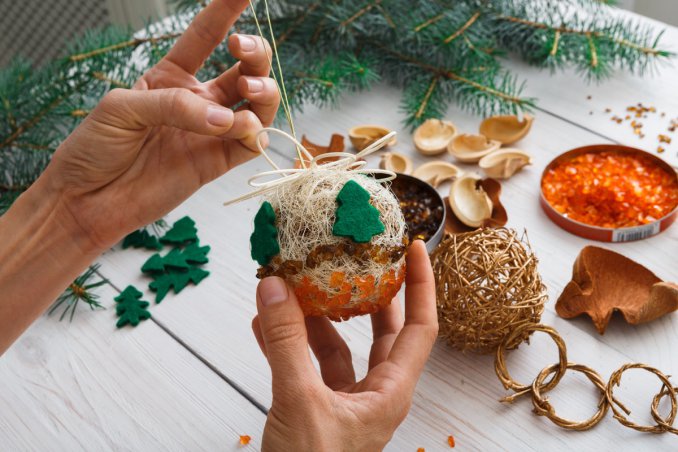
column 336, row 412
column 143, row 151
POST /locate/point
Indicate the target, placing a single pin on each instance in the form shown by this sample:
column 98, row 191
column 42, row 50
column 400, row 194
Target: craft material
column 396, row 162
column 182, row 231
column 469, row 201
column 635, row 113
column 336, row 145
column 433, row 136
column 543, row 407
column 176, row 269
column 610, row 193
column 245, row 440
column 363, row 136
column 469, row 148
column 498, row 218
column 506, row 129
column 450, row 441
column 504, row 163
column 341, row 233
column 422, row 208
column 436, row 172
column 604, row 282
column 141, row 239
column 487, row 284
column 79, row 290
column 264, row 239
column 130, row 308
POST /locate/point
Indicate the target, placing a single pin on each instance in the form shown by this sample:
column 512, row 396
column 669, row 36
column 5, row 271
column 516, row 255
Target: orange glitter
column 245, row 439
column 610, row 189
column 450, row 440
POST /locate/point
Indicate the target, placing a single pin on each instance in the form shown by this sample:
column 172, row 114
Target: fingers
column 413, row 345
column 206, row 31
column 284, row 336
column 263, row 96
column 174, row 107
column 246, row 126
column 386, row 324
column 254, row 60
column 332, row 353
column 256, row 329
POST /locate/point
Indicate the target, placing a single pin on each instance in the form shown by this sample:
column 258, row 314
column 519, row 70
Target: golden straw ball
column 486, row 285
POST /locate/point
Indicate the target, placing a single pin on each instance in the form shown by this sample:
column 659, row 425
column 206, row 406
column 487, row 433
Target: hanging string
column 346, row 161
column 279, row 77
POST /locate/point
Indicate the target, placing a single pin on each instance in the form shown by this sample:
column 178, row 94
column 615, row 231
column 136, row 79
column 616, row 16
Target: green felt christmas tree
column 130, row 308
column 141, row 239
column 356, row 217
column 182, row 232
column 264, row 239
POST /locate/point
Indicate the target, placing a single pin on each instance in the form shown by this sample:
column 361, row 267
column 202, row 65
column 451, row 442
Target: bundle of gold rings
column 541, row 385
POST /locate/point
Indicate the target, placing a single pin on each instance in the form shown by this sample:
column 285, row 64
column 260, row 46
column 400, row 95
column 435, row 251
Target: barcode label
column 637, row 233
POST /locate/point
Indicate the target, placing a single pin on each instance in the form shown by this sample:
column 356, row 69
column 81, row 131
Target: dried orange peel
column 604, row 281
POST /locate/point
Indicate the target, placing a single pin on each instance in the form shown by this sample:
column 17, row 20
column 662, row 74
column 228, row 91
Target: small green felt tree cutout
column 183, row 231
column 141, row 239
column 264, row 239
column 130, row 308
column 176, row 269
column 356, row 217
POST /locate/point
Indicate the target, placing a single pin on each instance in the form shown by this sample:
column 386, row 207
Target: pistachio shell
column 504, row 163
column 433, row 136
column 506, row 129
column 396, row 162
column 469, row 202
column 363, row 136
column 437, row 172
column 471, row 148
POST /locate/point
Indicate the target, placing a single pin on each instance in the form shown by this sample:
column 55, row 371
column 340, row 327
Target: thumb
column 174, row 107
column 283, row 331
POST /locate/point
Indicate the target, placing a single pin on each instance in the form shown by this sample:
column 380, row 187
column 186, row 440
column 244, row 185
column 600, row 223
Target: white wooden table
column 192, row 378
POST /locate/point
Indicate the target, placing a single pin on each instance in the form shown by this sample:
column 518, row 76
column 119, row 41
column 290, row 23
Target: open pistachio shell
column 437, row 172
column 506, row 129
column 469, row 202
column 396, row 162
column 363, row 136
column 504, row 163
column 471, row 148
column 433, row 136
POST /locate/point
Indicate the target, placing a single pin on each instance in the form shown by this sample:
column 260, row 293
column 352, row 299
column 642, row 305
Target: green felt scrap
column 356, row 217
column 176, row 259
column 183, row 231
column 141, row 239
column 154, row 263
column 130, row 308
column 264, row 239
column 196, row 254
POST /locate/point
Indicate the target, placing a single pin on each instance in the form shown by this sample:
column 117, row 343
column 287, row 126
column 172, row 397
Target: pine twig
column 428, row 23
column 462, row 29
column 121, row 45
column 427, row 97
column 365, row 9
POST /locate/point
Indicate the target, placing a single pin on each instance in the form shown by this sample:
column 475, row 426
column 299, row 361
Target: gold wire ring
column 543, row 407
column 655, row 409
column 503, row 373
column 662, row 424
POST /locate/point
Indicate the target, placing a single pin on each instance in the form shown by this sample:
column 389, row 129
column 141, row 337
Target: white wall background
column 664, row 10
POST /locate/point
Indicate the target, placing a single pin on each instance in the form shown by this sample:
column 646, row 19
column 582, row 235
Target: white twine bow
column 345, row 161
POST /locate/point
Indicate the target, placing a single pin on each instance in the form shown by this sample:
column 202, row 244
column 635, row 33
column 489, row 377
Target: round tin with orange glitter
column 610, row 193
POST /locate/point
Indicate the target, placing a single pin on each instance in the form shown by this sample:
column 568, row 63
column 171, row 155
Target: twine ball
column 487, row 284
column 336, row 276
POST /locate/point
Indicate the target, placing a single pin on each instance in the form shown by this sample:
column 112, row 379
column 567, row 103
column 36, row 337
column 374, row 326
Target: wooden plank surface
column 458, row 393
column 87, row 386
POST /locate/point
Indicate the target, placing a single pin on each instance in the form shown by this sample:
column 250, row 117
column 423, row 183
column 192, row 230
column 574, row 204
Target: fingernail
column 254, row 85
column 219, row 116
column 272, row 290
column 247, row 44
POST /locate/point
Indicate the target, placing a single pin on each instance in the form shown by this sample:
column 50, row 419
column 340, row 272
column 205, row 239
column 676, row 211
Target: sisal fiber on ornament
column 334, row 275
column 487, row 284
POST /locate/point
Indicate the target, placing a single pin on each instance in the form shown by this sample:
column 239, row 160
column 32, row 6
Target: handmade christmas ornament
column 333, row 232
column 131, row 309
column 487, row 284
column 604, row 281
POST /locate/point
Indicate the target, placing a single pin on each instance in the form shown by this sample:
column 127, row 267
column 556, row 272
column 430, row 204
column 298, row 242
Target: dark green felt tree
column 264, row 239
column 141, row 239
column 130, row 308
column 356, row 217
column 182, row 232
